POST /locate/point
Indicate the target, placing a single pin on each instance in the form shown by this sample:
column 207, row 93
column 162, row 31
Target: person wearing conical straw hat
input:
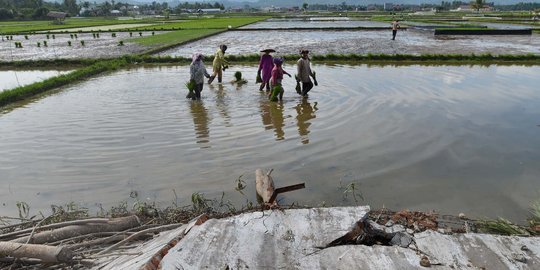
column 264, row 73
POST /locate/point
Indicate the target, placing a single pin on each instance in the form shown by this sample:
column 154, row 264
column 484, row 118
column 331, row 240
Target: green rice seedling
column 534, row 219
column 275, row 92
column 199, row 202
column 97, row 35
column 238, row 76
column 53, row 36
column 130, row 34
column 153, row 33
column 39, row 44
column 94, row 35
column 140, row 34
column 113, row 35
column 76, row 36
column 48, row 36
column 121, row 43
column 69, row 43
column 45, row 43
column 190, row 85
column 26, row 37
column 82, row 43
column 71, row 36
column 501, row 226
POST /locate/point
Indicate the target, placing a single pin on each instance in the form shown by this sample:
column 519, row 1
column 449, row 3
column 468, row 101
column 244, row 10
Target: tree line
column 38, row 9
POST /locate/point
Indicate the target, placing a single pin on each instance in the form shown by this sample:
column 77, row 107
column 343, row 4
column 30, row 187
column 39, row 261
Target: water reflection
column 272, row 117
column 200, row 122
column 305, row 112
column 222, row 103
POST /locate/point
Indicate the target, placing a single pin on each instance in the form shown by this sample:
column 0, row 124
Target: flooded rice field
column 103, row 47
column 361, row 42
column 284, row 24
column 451, row 138
column 104, row 27
column 14, row 78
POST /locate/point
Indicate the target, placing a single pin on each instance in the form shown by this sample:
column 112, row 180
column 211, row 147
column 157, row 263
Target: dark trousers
column 306, row 86
column 394, row 32
column 198, row 89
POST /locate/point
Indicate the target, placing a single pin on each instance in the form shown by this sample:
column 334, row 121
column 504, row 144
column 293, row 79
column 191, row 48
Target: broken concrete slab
column 262, row 240
column 293, row 239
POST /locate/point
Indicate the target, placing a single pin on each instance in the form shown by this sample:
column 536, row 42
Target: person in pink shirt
column 277, row 78
column 265, row 69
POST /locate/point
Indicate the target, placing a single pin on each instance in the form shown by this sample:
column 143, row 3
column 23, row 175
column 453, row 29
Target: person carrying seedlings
column 277, row 78
column 304, row 73
column 395, row 27
column 219, row 65
column 266, row 64
column 197, row 73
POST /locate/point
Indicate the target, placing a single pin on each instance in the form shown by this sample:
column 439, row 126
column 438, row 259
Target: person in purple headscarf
column 277, row 78
column 197, row 73
column 266, row 64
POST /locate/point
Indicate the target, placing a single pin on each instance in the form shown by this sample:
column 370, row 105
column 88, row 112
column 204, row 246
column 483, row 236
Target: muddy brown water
column 14, row 78
column 359, row 42
column 450, row 138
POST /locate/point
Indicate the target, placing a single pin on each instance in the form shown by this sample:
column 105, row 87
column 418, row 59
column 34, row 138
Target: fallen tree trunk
column 42, row 252
column 56, row 225
column 264, row 185
column 113, row 225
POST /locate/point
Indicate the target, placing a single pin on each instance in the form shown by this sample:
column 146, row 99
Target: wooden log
column 113, row 225
column 56, row 225
column 42, row 252
column 264, row 185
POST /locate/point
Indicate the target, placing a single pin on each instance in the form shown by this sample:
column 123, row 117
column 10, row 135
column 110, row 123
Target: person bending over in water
column 219, row 65
column 304, row 73
column 197, row 73
column 266, row 65
column 277, row 78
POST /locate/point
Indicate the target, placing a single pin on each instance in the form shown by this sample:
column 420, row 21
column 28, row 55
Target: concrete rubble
column 298, row 239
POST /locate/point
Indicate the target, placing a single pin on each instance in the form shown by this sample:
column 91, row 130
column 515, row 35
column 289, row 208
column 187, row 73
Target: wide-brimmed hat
column 268, row 50
column 304, row 51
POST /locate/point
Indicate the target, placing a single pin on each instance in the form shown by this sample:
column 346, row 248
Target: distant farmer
column 277, row 78
column 304, row 73
column 197, row 73
column 219, row 65
column 395, row 27
column 266, row 65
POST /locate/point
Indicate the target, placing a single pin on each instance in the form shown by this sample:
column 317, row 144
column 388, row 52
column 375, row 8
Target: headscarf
column 278, row 61
column 196, row 57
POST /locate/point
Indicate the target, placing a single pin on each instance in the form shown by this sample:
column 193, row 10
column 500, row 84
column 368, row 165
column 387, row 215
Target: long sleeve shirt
column 219, row 59
column 198, row 72
column 304, row 70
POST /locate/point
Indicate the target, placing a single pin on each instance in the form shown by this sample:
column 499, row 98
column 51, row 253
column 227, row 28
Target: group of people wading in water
column 269, row 74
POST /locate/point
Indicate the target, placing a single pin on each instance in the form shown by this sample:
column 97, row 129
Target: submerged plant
column 121, row 43
column 352, row 188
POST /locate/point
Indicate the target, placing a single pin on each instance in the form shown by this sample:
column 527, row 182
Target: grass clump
column 501, row 226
